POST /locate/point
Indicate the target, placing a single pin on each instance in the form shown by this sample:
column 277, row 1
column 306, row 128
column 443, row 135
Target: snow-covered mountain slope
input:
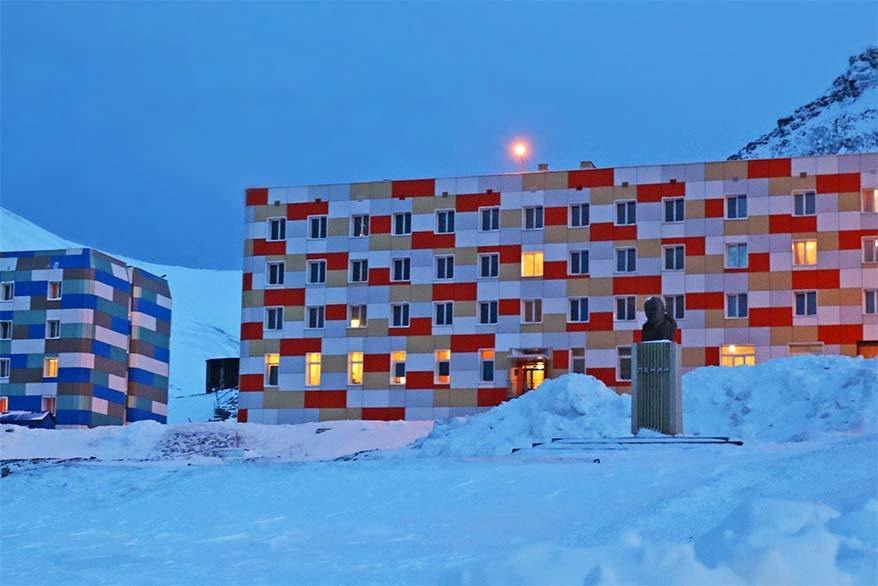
column 205, row 318
column 843, row 120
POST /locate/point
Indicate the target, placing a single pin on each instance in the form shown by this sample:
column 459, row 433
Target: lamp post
column 520, row 151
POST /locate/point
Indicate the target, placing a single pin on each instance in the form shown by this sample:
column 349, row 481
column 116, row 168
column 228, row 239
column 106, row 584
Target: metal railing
column 656, row 387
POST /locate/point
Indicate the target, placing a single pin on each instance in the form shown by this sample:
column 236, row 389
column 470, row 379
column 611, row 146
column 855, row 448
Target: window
column 579, row 215
column 623, row 364
column 4, row 401
column 675, row 306
column 870, row 301
column 277, row 229
column 360, row 226
column 533, row 218
column 626, row 260
column 276, row 273
column 316, row 316
column 400, row 315
column 806, row 303
column 579, row 262
column 626, row 213
column 5, row 330
column 48, row 404
column 53, row 329
column 737, row 355
column 54, row 292
column 675, row 210
column 397, row 368
column 804, row 253
column 578, row 309
column 316, row 272
column 577, row 360
column 317, row 227
column 272, row 368
column 355, row 368
column 274, row 318
column 50, row 367
column 870, row 249
column 7, row 291
column 402, row 223
column 402, row 269
column 486, row 366
column 444, row 221
column 870, row 200
column 532, row 311
column 806, row 349
column 804, row 203
column 487, row 312
column 4, row 372
column 625, row 308
column 532, row 264
column 489, row 265
column 444, row 313
column 736, row 207
column 357, row 316
column 442, row 375
column 490, row 219
column 736, row 305
column 312, row 369
column 675, row 257
column 359, row 271
column 736, row 256
column 444, row 267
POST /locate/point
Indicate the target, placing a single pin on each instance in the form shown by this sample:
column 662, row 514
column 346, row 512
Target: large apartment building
column 83, row 336
column 430, row 298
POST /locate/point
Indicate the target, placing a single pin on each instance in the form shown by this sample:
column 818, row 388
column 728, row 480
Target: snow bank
column 573, row 405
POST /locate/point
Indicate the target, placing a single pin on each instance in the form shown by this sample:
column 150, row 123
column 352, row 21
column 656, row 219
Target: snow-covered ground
column 205, row 321
column 228, row 503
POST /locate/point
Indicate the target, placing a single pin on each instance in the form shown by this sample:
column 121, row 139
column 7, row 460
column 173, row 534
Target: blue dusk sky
column 135, row 126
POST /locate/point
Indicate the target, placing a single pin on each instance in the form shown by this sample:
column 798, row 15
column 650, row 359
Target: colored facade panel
column 89, row 337
column 466, row 291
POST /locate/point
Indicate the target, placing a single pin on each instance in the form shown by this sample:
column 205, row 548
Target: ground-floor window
column 48, row 404
column 737, row 355
column 397, row 368
column 486, row 366
column 806, row 349
column 442, row 375
column 312, row 369
column 4, row 404
column 623, row 365
column 355, row 368
column 577, row 360
column 272, row 366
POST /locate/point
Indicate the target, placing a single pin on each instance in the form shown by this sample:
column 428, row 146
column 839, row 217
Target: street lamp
column 520, row 151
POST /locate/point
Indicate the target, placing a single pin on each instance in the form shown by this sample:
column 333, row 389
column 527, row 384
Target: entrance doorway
column 526, row 373
column 867, row 349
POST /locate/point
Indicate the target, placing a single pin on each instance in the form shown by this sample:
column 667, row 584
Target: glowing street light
column 519, row 149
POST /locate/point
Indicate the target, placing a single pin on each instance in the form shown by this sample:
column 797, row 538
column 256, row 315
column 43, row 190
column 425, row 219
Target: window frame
column 874, row 199
column 627, row 258
column 482, row 361
column 351, row 364
column 323, row 225
column 8, row 324
column 491, row 209
column 394, row 361
column 406, row 261
column 267, row 323
column 874, row 293
column 863, row 248
column 49, row 323
column 364, row 274
column 538, row 210
column 806, row 265
column 488, row 255
column 309, row 380
column 806, row 293
column 437, row 377
column 47, row 370
column 317, row 262
column 675, row 296
column 364, row 318
column 321, row 313
column 804, row 193
column 407, row 223
column 737, row 297
column 403, row 313
column 282, row 273
column 570, row 215
column 436, row 263
column 736, row 197
column 282, row 222
column 573, row 359
column 447, row 313
column 448, row 213
column 734, row 356
column 4, row 287
column 8, row 363
column 49, row 296
column 266, row 379
column 728, row 245
column 536, row 303
column 619, row 358
column 533, row 254
column 495, row 314
column 628, row 203
column 578, row 300
column 365, row 219
column 682, row 208
column 673, row 247
column 583, row 253
column 632, row 306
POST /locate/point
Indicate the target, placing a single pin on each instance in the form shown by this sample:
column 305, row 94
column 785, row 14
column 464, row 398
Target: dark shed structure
column 222, row 373
column 31, row 419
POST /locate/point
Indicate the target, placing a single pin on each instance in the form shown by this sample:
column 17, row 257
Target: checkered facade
column 89, row 337
column 767, row 254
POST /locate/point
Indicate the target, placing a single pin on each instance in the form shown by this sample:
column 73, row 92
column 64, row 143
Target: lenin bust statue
column 659, row 325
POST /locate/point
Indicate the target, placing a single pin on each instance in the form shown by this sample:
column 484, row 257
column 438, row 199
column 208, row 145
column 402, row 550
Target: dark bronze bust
column 659, row 325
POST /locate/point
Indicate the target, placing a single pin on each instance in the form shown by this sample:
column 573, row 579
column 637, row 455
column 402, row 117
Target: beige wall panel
column 694, row 208
column 510, row 271
column 781, row 336
column 827, row 241
column 575, row 235
column 760, row 281
column 803, row 334
column 291, row 400
column 807, row 183
column 380, row 241
column 848, row 350
column 337, row 278
column 421, row 292
column 602, row 340
column 467, row 255
column 714, row 318
column 849, row 202
column 713, row 264
column 403, row 243
column 649, row 248
column 374, row 327
column 333, row 362
column 441, row 398
column 578, row 287
column 338, row 227
column 850, row 296
column 781, row 280
column 695, row 265
column 621, row 192
column 376, row 380
column 400, row 293
column 757, row 225
column 370, row 190
column 428, row 344
column 713, row 171
column 333, row 414
column 693, row 357
column 263, row 347
column 253, row 298
column 463, row 398
column 734, row 169
column 601, row 286
column 294, row 262
column 601, row 195
column 555, row 234
column 464, row 308
column 827, row 297
column 354, row 413
column 780, row 186
column 294, row 313
column 510, row 218
column 554, row 322
column 736, row 227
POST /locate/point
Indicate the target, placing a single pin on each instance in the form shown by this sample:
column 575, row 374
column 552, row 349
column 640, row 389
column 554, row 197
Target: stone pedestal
column 656, row 387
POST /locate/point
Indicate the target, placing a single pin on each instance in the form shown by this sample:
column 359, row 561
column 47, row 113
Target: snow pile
column 573, row 405
column 786, row 399
column 764, row 541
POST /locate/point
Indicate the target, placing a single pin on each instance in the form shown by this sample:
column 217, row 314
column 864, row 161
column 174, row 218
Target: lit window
column 623, row 363
column 806, row 349
column 489, row 265
column 804, row 203
column 737, row 355
column 277, row 229
column 355, row 368
column 359, row 271
column 674, row 209
column 360, row 226
column 317, row 227
column 579, row 215
column 400, row 315
column 532, row 264
column 7, row 291
column 444, row 313
column 675, row 306
column 5, row 330
column 625, row 308
column 486, row 366
column 275, row 273
column 53, row 329
column 806, row 303
column 578, row 309
column 402, row 223
column 626, row 260
column 48, row 404
column 579, row 262
column 402, row 269
column 675, row 257
column 54, row 292
column 442, row 374
column 804, row 252
column 577, row 360
column 736, row 305
column 272, row 368
column 4, row 368
column 737, row 256
column 487, row 312
column 316, row 272
column 50, row 368
column 397, row 368
column 533, row 218
column 316, row 316
column 626, row 213
column 445, row 221
column 870, row 200
column 312, row 369
column 532, row 311
column 736, row 207
column 870, row 249
column 4, row 401
column 444, row 267
column 490, row 219
column 357, row 316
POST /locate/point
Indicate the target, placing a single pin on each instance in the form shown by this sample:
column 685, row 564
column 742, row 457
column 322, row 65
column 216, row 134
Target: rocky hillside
column 843, row 120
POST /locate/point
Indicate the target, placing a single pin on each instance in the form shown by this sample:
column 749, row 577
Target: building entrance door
column 867, row 349
column 526, row 375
